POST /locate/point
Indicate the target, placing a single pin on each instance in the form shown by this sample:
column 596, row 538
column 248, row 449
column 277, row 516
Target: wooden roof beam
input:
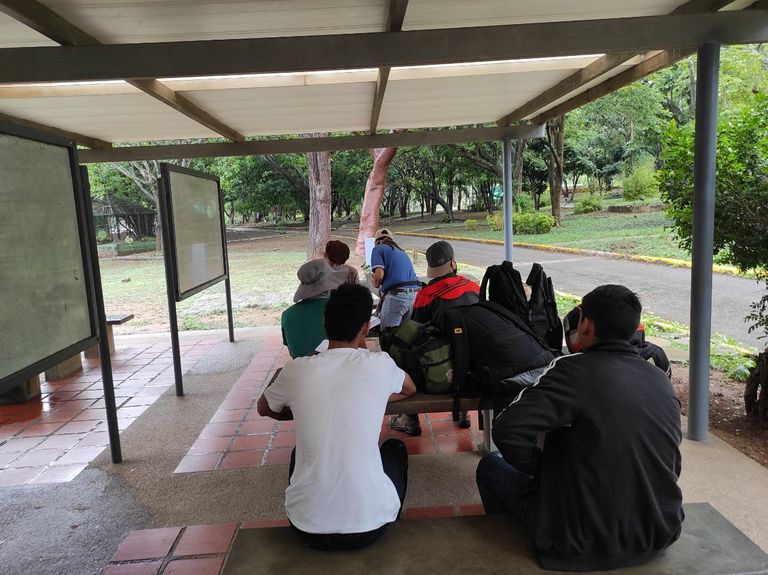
column 601, row 66
column 50, row 24
column 80, row 139
column 377, row 49
column 647, row 66
column 395, row 20
column 303, row 145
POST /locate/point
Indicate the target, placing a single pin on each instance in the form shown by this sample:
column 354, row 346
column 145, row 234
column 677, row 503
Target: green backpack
column 420, row 350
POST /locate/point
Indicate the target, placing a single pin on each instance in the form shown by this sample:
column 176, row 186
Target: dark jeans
column 504, row 489
column 394, row 457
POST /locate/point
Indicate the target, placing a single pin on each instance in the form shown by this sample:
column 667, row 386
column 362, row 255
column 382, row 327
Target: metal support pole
column 230, row 319
column 509, row 205
column 708, row 68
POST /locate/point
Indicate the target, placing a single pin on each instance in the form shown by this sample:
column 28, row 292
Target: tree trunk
column 756, row 390
column 556, row 141
column 319, row 168
column 374, row 192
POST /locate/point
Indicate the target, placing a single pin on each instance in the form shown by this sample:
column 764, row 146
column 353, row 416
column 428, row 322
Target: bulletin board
column 47, row 307
column 194, row 212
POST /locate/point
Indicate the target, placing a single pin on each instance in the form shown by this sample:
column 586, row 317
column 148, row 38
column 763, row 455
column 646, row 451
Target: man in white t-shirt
column 343, row 489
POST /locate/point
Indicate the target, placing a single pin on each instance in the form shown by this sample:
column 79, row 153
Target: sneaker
column 408, row 424
column 465, row 422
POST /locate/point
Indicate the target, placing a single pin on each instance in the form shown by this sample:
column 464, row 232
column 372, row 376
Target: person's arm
column 378, row 277
column 409, row 388
column 262, row 406
column 550, row 404
column 274, row 397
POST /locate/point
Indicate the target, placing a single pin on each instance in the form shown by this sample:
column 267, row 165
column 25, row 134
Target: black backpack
column 542, row 308
column 650, row 351
column 502, row 284
column 490, row 345
column 422, row 352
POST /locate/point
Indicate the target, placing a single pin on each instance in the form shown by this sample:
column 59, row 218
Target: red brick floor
column 238, row 437
column 203, row 549
column 53, row 438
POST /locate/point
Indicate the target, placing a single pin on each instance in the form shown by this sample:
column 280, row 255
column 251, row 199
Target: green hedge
column 588, row 203
column 524, row 223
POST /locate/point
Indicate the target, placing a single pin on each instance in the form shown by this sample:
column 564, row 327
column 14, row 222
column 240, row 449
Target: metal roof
column 462, row 89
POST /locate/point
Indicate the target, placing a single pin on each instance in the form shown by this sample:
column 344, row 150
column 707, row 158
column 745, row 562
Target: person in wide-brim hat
column 317, row 279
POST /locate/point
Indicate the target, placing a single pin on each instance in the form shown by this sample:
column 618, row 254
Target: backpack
column 650, row 351
column 503, row 285
column 420, row 351
column 491, row 346
column 542, row 308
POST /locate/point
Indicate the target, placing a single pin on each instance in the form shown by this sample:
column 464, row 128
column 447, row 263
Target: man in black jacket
column 603, row 493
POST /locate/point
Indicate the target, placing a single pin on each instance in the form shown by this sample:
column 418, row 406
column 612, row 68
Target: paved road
column 663, row 290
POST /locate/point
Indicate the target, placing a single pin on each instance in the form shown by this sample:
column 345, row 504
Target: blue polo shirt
column 396, row 264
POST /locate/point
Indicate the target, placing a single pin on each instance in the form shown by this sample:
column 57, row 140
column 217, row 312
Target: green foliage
column 470, row 225
column 741, row 197
column 102, row 236
column 588, row 203
column 523, row 202
column 641, row 182
column 532, row 222
column 496, row 222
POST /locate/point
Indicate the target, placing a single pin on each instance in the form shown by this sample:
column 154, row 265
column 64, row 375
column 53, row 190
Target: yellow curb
column 726, row 270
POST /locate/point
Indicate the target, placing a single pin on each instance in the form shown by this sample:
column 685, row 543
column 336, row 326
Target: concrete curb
column 562, row 249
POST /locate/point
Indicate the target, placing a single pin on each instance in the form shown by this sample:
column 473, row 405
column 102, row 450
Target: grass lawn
column 263, row 283
column 643, row 234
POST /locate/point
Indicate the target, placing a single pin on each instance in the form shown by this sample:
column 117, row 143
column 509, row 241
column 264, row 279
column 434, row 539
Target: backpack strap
column 456, row 330
column 519, row 323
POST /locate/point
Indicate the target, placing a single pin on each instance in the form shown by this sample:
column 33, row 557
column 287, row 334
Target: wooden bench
column 116, row 319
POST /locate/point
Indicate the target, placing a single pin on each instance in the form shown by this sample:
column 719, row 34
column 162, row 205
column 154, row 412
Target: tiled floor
column 202, row 549
column 52, row 439
column 237, row 436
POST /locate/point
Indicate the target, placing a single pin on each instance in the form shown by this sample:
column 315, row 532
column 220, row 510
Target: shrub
column 523, row 203
column 102, row 236
column 470, row 225
column 496, row 222
column 588, row 203
column 532, row 223
column 641, row 183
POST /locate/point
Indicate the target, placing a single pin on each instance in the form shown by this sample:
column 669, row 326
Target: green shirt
column 303, row 328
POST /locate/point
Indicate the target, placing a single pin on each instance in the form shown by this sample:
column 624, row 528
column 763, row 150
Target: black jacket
column 608, row 494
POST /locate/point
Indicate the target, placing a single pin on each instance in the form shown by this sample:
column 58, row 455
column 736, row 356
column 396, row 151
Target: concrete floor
column 75, row 528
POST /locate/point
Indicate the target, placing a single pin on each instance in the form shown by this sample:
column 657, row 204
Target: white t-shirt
column 338, row 400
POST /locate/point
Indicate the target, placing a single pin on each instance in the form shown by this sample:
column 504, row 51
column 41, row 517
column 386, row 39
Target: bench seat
column 485, row 544
column 114, row 319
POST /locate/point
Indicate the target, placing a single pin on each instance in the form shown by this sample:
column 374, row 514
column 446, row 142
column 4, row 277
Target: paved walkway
column 664, row 290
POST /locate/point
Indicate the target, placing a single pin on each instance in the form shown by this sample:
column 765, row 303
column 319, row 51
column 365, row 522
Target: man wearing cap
column 446, row 289
column 396, row 279
column 302, row 323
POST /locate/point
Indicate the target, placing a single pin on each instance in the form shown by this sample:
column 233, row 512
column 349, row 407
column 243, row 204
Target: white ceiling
column 296, row 103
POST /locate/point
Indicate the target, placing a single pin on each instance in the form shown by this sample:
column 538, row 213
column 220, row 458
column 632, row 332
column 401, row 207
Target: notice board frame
column 167, row 222
column 80, row 203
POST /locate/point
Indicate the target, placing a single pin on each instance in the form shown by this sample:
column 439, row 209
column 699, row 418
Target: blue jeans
column 504, row 489
column 397, row 307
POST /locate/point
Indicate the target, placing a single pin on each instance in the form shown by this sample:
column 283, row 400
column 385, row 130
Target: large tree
column 319, row 168
column 374, row 192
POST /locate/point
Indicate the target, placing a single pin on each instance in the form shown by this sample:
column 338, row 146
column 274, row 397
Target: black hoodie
column 608, row 494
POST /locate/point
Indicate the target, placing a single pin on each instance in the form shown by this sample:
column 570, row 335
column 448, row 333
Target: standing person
column 337, row 254
column 603, row 493
column 396, row 279
column 343, row 489
column 445, row 290
column 302, row 323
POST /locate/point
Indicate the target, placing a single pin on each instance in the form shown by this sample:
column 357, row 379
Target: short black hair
column 615, row 310
column 348, row 308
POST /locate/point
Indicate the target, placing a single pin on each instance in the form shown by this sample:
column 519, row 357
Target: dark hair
column 615, row 310
column 348, row 308
column 387, row 241
column 337, row 252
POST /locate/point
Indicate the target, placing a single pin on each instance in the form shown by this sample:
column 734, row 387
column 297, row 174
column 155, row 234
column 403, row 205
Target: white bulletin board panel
column 197, row 231
column 44, row 301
